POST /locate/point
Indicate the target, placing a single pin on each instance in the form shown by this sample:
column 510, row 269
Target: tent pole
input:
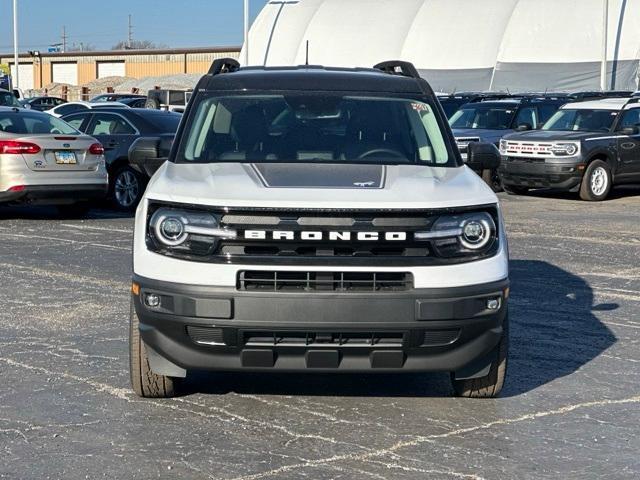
column 605, row 34
column 15, row 45
column 246, row 32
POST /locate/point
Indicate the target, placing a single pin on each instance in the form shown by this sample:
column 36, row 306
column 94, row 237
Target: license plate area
column 65, row 158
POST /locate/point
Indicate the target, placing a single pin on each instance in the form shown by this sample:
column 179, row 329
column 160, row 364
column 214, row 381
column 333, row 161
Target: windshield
column 484, row 117
column 314, row 128
column 581, row 120
column 34, row 123
column 7, row 99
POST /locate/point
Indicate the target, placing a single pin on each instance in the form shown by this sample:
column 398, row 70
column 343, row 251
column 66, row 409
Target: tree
column 137, row 45
column 81, row 47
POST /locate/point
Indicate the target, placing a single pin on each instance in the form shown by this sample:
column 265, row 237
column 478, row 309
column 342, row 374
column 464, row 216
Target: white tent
column 459, row 44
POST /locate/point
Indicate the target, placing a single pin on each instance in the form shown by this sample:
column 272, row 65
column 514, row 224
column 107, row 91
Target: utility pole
column 130, row 35
column 605, row 35
column 64, row 38
column 16, row 61
column 246, row 33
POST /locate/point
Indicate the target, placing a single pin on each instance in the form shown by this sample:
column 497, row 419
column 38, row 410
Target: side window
column 110, row 124
column 67, row 109
column 527, row 115
column 76, row 120
column 631, row 118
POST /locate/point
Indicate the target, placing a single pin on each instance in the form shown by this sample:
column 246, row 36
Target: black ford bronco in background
column 586, row 147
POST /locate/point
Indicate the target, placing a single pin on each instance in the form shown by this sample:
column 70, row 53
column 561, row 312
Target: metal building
column 38, row 69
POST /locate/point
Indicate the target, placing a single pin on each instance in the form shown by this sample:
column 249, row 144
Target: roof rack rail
column 398, row 67
column 224, row 65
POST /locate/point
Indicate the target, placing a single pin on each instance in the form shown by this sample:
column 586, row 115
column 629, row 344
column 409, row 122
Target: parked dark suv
column 586, row 147
column 488, row 121
column 117, row 129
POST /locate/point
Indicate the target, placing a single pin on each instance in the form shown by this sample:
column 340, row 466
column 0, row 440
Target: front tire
column 491, row 385
column 596, row 182
column 144, row 382
column 128, row 188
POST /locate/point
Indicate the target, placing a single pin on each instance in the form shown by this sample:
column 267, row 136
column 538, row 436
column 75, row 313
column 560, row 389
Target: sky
column 103, row 23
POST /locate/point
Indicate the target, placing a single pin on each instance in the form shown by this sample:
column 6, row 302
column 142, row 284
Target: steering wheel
column 378, row 151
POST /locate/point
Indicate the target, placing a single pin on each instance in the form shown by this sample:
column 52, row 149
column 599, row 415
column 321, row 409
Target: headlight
column 565, row 149
column 186, row 231
column 459, row 235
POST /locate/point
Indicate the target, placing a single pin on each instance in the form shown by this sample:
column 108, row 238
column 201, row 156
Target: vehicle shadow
column 554, row 332
column 32, row 212
column 617, row 192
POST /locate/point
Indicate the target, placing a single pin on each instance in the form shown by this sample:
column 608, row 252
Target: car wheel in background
column 596, row 182
column 143, row 381
column 515, row 190
column 492, row 179
column 73, row 210
column 152, row 103
column 128, row 187
column 491, row 385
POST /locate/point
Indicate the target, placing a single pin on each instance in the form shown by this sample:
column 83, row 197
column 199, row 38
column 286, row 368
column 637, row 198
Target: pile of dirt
column 121, row 85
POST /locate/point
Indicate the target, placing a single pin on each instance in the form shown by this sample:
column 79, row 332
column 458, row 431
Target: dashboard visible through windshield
column 331, row 128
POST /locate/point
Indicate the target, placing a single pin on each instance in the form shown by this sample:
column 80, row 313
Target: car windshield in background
column 581, row 120
column 483, row 117
column 33, row 123
column 165, row 122
column 7, row 99
column 314, row 128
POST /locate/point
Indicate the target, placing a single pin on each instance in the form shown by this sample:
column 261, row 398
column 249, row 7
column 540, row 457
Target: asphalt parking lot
column 570, row 409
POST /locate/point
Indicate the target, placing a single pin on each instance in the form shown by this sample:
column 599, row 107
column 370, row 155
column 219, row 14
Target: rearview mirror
column 147, row 154
column 630, row 131
column 524, row 127
column 483, row 156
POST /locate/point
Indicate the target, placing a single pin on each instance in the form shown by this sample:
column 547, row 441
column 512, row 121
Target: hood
column 551, row 136
column 336, row 186
column 486, row 136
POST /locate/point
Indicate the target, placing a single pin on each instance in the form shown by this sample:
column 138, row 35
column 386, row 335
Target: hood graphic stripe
column 314, row 175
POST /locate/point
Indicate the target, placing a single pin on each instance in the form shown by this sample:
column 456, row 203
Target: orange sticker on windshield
column 420, row 107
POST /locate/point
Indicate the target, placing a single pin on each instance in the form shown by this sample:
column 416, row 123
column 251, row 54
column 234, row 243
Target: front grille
column 274, row 281
column 323, row 339
column 325, row 237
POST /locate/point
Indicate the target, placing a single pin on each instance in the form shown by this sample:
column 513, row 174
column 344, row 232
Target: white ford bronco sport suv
column 313, row 219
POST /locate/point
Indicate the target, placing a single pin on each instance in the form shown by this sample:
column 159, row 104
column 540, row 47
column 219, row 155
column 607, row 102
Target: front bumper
column 540, row 174
column 55, row 194
column 221, row 328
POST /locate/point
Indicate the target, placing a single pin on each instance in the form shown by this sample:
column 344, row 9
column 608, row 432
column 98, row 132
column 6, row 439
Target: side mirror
column 27, row 106
column 630, row 131
column 524, row 127
column 147, row 154
column 483, row 156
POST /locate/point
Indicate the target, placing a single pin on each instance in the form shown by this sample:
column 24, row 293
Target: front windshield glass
column 34, row 123
column 484, row 117
column 581, row 120
column 328, row 128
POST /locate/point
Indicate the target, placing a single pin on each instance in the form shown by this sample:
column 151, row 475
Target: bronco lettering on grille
column 321, row 236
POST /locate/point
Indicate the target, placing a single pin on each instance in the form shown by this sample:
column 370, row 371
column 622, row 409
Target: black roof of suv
column 387, row 77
